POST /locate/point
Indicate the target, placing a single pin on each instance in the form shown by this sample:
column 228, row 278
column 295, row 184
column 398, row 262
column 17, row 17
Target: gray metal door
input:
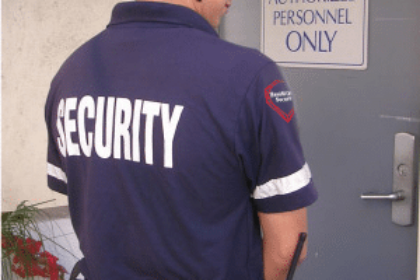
column 347, row 122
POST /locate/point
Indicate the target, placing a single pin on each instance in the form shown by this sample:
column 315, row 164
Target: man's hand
column 280, row 237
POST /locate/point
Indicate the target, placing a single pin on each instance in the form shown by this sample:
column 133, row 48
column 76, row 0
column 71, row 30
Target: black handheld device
column 296, row 255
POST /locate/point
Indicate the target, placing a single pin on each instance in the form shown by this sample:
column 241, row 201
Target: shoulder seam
column 258, row 73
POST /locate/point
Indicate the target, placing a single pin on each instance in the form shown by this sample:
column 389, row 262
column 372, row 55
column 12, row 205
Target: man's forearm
column 280, row 237
column 275, row 268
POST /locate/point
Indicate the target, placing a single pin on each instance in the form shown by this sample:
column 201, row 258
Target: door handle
column 402, row 195
column 376, row 196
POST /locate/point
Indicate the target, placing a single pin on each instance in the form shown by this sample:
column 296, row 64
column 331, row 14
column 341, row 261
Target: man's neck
column 185, row 3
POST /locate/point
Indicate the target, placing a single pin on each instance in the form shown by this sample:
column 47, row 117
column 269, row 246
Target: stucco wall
column 37, row 36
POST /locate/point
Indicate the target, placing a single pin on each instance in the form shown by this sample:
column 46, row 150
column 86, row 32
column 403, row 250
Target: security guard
column 175, row 148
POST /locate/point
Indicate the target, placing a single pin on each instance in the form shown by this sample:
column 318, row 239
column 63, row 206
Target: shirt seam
column 257, row 75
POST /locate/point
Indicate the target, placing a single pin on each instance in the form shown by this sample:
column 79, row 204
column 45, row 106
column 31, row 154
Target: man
column 175, row 148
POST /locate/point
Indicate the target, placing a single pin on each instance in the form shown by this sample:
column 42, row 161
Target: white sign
column 316, row 33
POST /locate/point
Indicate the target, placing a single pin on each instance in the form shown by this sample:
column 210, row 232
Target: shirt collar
column 159, row 12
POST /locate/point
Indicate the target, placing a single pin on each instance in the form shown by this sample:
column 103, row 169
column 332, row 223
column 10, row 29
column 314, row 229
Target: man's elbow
column 285, row 257
column 277, row 260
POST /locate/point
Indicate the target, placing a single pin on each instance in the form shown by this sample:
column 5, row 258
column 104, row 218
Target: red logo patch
column 287, row 117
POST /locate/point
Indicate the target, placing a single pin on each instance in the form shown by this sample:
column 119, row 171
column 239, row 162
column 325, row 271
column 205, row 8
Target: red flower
column 4, row 242
column 52, row 268
column 19, row 242
column 27, row 261
column 19, row 271
column 16, row 259
column 38, row 271
column 33, row 246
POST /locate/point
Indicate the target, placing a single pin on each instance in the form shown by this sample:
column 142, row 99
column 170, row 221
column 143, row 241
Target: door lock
column 403, row 187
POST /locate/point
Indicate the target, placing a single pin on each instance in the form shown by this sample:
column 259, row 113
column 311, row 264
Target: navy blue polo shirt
column 168, row 141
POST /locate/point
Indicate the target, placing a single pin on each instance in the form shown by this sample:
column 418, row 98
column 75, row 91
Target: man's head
column 211, row 10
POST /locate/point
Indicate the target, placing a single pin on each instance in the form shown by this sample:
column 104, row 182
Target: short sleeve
column 57, row 178
column 268, row 146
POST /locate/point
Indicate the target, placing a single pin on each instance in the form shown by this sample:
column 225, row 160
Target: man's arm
column 280, row 237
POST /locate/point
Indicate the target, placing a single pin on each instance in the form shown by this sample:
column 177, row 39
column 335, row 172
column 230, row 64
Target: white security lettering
column 87, row 104
column 61, row 140
column 117, row 128
column 136, row 130
column 150, row 109
column 122, row 123
column 169, row 125
column 104, row 150
column 72, row 148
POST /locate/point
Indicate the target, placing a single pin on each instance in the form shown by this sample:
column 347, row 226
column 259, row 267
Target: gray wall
column 37, row 36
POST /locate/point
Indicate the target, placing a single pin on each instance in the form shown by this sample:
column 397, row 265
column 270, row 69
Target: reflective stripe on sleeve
column 56, row 172
column 284, row 185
